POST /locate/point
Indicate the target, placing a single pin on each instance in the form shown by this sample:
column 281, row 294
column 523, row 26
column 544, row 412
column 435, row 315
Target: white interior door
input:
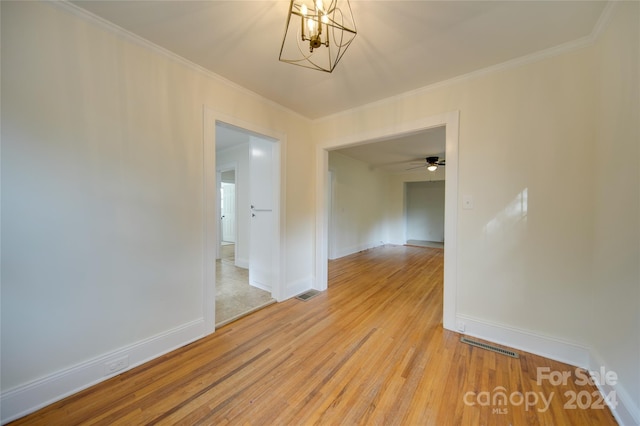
column 262, row 215
column 228, row 211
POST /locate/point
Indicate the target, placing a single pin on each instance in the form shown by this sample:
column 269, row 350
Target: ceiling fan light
column 432, row 167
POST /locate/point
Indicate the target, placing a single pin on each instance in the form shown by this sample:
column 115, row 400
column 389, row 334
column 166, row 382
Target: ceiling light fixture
column 317, row 36
column 432, row 167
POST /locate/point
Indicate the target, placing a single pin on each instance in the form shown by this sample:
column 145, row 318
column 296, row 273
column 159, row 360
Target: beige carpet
column 234, row 296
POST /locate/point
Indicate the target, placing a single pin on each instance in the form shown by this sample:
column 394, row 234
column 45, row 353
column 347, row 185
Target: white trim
column 513, row 63
column 278, row 265
column 209, row 222
column 299, row 286
column 534, row 57
column 210, row 117
column 241, row 262
column 218, row 213
column 261, row 287
column 355, row 249
column 548, row 347
column 450, row 295
column 219, row 170
column 142, row 42
column 322, row 219
column 626, row 412
column 32, row 396
column 332, row 251
column 603, row 20
column 451, row 121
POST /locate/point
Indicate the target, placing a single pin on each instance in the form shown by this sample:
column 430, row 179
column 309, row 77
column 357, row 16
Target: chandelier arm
column 316, row 32
column 342, row 29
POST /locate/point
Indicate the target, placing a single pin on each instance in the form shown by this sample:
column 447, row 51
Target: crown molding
column 92, row 18
column 569, row 46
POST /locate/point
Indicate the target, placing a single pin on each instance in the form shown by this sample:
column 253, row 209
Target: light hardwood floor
column 370, row 350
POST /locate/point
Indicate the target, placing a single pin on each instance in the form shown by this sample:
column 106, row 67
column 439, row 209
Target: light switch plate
column 467, row 202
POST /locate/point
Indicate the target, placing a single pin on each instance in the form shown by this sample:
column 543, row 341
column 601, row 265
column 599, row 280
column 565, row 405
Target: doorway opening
column 228, row 206
column 247, row 211
column 449, row 123
column 228, row 218
column 424, row 213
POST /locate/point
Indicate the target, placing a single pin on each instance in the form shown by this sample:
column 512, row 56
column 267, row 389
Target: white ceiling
column 399, row 154
column 401, row 46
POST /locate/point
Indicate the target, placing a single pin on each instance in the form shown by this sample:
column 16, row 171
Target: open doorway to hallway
column 370, row 228
column 384, row 193
column 424, row 213
column 244, row 254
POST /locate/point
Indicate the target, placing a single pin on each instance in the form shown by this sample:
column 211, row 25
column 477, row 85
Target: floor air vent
column 489, row 347
column 307, row 295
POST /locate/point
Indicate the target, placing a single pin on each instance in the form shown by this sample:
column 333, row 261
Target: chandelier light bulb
column 317, row 34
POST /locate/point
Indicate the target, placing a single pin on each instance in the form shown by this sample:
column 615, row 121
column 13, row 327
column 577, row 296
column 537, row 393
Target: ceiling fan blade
column 417, row 167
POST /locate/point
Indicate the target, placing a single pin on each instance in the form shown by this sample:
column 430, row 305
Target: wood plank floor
column 370, row 350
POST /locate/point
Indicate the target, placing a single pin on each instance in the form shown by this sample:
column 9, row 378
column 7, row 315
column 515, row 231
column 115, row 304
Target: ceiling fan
column 431, row 163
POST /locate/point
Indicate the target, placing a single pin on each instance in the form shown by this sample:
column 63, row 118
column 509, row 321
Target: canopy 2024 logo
column 499, row 399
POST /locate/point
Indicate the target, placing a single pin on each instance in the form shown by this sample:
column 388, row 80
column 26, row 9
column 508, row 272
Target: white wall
column 425, row 210
column 359, row 205
column 396, row 214
column 614, row 320
column 528, row 137
column 533, row 124
column 102, row 199
column 102, row 196
column 239, row 156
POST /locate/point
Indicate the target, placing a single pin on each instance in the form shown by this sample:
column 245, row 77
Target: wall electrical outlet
column 115, row 365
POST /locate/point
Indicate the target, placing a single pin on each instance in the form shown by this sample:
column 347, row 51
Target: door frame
column 331, row 219
column 210, row 218
column 405, row 202
column 451, row 121
column 219, row 170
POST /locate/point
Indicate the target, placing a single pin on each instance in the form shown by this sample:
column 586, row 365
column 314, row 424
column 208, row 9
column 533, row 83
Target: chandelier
column 317, row 35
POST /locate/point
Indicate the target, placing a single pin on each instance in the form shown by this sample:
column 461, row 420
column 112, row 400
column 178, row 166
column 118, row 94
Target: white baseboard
column 346, row 251
column 548, row 347
column 242, row 263
column 27, row 398
column 266, row 288
column 626, row 412
column 300, row 286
